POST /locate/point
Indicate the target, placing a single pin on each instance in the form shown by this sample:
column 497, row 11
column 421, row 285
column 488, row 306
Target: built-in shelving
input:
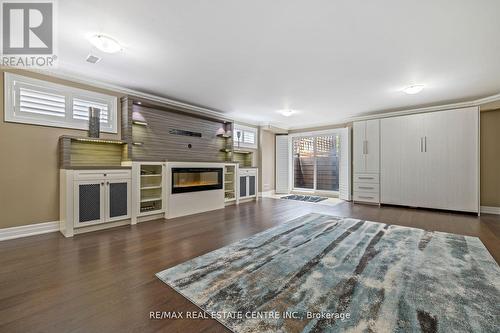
column 229, row 183
column 151, row 188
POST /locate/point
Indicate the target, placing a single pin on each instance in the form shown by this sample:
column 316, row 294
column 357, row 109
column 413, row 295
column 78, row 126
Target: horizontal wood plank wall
column 158, row 144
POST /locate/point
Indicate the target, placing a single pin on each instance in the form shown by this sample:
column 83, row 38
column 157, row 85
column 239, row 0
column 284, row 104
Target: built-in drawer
column 97, row 174
column 366, row 187
column 366, row 197
column 366, row 178
column 247, row 172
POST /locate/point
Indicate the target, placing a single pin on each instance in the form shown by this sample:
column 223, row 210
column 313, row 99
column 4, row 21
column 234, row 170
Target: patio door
column 315, row 163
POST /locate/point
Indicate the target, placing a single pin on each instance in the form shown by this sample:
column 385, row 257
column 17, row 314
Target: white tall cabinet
column 431, row 160
column 366, row 160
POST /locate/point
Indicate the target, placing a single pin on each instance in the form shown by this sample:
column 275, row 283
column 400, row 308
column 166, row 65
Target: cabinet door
column 117, row 200
column 372, row 146
column 436, row 169
column 359, row 137
column 88, row 202
column 452, row 157
column 401, row 160
column 412, row 160
column 243, row 186
column 390, row 154
column 251, row 185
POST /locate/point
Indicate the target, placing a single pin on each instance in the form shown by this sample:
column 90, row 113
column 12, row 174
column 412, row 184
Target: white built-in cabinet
column 248, row 181
column 431, row 160
column 90, row 199
column 366, row 161
column 148, row 191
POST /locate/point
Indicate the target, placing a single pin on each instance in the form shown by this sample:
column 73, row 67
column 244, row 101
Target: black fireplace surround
column 196, row 179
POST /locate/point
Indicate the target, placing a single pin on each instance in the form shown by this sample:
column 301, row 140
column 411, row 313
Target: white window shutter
column 39, row 102
column 282, row 164
column 345, row 164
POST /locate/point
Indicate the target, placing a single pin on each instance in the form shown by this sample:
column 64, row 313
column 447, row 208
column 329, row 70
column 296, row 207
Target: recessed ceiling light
column 105, row 43
column 414, row 89
column 286, row 112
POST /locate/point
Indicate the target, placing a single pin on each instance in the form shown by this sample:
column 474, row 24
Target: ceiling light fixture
column 105, row 43
column 414, row 89
column 286, row 112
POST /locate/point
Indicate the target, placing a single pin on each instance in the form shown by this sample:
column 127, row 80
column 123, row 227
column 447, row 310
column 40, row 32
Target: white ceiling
column 327, row 59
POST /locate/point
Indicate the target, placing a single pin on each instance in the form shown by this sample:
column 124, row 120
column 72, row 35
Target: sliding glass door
column 316, row 163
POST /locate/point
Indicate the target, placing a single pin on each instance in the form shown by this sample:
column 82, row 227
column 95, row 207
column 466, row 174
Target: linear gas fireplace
column 196, row 179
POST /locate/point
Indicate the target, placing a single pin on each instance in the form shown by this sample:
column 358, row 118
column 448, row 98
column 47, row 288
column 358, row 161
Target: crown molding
column 210, row 112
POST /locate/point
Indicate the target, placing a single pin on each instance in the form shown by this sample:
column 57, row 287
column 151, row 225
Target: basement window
column 38, row 102
column 245, row 137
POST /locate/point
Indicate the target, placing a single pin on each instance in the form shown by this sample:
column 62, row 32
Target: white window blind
column 38, row 102
column 247, row 136
column 81, row 109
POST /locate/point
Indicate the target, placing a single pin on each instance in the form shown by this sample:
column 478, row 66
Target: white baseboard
column 490, row 210
column 266, row 194
column 28, row 230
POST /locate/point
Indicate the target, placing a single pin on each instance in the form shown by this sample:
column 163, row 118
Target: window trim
column 242, row 128
column 12, row 114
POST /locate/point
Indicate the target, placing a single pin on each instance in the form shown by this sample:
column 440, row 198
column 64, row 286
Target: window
column 245, row 137
column 32, row 101
column 316, row 162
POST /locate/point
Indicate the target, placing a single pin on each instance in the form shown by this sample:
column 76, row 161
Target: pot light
column 105, row 43
column 286, row 112
column 414, row 89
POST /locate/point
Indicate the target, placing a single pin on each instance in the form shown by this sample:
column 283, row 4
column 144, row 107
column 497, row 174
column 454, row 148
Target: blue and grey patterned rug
column 307, row 198
column 321, row 273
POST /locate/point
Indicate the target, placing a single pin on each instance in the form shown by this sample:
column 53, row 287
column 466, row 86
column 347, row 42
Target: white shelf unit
column 148, row 183
column 230, row 183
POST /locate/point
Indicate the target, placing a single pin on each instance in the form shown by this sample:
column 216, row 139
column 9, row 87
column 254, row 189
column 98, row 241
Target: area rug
column 308, row 198
column 321, row 273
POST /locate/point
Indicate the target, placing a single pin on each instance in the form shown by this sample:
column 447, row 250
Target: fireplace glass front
column 196, row 179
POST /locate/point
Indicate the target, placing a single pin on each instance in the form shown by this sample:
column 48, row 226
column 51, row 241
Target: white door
column 282, row 167
column 372, row 145
column 359, row 137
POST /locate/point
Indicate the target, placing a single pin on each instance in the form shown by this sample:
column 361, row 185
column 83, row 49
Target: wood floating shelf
column 225, row 150
column 225, row 136
column 140, row 123
column 242, row 152
column 150, row 187
column 150, row 199
column 138, row 143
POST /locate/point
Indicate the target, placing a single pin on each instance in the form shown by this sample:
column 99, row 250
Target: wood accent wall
column 77, row 152
column 158, row 144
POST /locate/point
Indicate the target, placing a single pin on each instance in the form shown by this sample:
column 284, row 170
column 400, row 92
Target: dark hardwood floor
column 104, row 281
